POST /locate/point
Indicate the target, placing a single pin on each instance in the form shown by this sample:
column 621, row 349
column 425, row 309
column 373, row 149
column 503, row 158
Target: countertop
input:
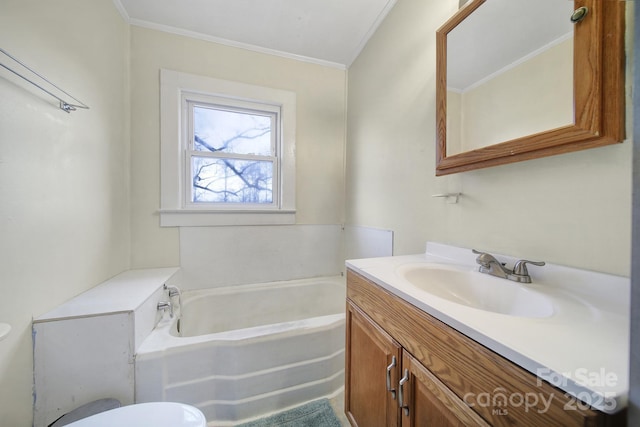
column 582, row 348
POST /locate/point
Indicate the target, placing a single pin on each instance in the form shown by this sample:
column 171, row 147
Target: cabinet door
column 371, row 356
column 427, row 401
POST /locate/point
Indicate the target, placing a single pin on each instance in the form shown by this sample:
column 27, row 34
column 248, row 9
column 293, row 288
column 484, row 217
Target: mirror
column 510, row 80
column 517, row 80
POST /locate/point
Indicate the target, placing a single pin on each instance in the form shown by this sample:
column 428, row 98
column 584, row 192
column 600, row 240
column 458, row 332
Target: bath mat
column 315, row 414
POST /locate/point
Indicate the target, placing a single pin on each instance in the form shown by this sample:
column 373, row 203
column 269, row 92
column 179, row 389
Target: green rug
column 315, row 414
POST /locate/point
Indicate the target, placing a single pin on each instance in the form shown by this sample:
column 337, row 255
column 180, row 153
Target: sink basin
column 477, row 290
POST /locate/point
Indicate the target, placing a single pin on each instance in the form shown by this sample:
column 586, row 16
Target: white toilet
column 156, row 414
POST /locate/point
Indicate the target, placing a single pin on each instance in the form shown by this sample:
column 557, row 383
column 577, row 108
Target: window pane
column 231, row 180
column 231, row 131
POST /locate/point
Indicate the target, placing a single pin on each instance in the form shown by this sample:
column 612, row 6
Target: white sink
column 476, row 290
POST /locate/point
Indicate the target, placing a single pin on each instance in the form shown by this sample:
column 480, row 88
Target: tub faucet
column 173, row 291
column 163, row 305
column 490, row 265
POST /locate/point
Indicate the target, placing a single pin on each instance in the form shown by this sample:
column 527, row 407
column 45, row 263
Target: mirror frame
column 598, row 86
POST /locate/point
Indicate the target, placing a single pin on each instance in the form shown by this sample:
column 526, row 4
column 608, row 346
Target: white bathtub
column 246, row 351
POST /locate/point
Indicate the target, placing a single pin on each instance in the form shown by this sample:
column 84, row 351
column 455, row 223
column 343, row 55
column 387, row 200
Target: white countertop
column 123, row 293
column 583, row 348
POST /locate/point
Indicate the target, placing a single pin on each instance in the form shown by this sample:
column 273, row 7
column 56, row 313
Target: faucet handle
column 520, row 267
column 163, row 305
column 484, row 258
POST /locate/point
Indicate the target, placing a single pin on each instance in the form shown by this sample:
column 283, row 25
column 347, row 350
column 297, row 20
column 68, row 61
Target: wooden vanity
column 407, row 368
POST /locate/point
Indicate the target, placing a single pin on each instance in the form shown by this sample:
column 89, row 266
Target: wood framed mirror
column 595, row 100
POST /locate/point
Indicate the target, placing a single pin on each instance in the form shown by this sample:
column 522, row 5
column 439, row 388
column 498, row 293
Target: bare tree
column 231, row 179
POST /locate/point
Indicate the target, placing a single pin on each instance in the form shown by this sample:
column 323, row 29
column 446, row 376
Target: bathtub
column 241, row 352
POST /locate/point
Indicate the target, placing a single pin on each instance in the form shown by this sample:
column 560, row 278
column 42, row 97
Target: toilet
column 156, row 414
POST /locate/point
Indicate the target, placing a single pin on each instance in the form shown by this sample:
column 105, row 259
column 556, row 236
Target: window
column 232, row 153
column 227, row 152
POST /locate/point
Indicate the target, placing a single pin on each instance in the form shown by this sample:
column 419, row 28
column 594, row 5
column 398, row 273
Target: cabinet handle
column 401, row 392
column 389, row 368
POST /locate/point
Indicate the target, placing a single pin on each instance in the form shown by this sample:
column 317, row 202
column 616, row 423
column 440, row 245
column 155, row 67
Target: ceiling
column 330, row 32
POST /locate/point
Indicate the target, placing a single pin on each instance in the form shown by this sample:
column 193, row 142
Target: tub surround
column 84, row 349
column 581, row 349
column 367, row 242
column 237, row 255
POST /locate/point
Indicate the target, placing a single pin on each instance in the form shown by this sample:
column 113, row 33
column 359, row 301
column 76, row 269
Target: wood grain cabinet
column 406, row 368
column 373, row 372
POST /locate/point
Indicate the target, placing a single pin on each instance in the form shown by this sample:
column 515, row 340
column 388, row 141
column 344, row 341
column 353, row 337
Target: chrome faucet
column 490, row 265
column 163, row 305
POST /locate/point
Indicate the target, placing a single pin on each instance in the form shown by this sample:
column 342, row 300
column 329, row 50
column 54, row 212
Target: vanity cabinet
column 373, row 372
column 373, row 389
column 428, row 402
column 406, row 368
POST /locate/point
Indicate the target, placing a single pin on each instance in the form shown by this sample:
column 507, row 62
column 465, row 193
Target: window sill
column 201, row 218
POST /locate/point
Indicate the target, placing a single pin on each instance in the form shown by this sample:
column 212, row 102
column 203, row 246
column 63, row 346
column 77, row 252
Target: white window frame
column 176, row 209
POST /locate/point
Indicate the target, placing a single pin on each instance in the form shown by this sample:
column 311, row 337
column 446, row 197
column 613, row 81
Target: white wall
column 320, row 132
column 573, row 209
column 64, row 190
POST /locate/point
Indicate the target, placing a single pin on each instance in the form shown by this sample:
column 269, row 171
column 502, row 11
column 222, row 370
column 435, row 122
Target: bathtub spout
column 163, row 305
